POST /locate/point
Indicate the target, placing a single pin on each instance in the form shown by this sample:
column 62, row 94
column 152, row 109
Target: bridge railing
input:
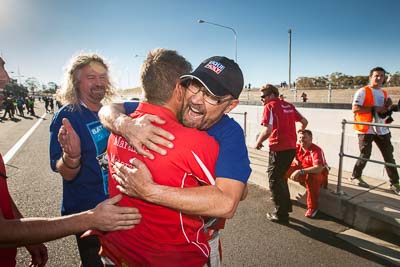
column 342, row 154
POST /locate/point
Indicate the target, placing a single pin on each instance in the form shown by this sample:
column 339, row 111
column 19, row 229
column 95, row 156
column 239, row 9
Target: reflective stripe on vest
column 366, row 116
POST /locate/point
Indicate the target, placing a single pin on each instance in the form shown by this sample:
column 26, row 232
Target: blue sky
column 39, row 37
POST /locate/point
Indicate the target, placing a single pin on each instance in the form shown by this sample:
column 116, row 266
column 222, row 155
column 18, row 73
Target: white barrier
column 326, row 125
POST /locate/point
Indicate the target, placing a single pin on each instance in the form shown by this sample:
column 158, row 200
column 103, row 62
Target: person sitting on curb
column 309, row 168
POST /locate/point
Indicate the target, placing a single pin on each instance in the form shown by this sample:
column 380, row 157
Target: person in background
column 9, row 107
column 20, row 106
column 279, row 121
column 304, row 97
column 31, row 105
column 371, row 104
column 309, row 168
column 4, row 79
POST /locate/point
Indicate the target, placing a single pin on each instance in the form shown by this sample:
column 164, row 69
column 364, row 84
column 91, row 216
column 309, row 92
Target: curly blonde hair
column 68, row 94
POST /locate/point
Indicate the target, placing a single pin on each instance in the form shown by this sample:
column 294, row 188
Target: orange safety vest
column 366, row 116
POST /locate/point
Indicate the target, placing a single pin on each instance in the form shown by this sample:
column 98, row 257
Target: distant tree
column 305, row 82
column 394, row 79
column 347, row 81
column 15, row 90
column 321, row 82
column 52, row 86
column 360, row 80
column 336, row 79
column 33, row 84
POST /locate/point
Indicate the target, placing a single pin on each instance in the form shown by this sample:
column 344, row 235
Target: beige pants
column 215, row 259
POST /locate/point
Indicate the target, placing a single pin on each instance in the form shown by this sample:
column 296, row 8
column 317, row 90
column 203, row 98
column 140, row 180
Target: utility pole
column 290, row 57
column 290, row 66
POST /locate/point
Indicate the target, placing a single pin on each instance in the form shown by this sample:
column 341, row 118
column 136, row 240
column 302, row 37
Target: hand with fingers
column 295, row 175
column 38, row 254
column 145, row 137
column 69, row 140
column 108, row 216
column 134, row 182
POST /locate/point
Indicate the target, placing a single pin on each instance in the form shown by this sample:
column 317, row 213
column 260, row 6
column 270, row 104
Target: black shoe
column 277, row 219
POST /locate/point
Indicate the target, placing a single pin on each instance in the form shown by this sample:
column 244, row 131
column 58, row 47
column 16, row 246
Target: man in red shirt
column 167, row 237
column 310, row 169
column 279, row 120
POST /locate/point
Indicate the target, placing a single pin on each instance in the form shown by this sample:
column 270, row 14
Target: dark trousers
column 385, row 146
column 89, row 248
column 9, row 112
column 279, row 163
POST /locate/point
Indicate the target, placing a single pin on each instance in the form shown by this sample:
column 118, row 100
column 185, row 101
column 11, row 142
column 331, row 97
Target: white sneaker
column 359, row 181
column 395, row 188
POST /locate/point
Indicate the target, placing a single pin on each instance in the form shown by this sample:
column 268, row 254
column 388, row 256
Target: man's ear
column 179, row 91
column 233, row 104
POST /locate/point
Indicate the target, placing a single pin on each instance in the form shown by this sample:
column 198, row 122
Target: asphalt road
column 249, row 239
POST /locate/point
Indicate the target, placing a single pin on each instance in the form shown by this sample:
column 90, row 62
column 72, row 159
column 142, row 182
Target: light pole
column 18, row 75
column 329, row 89
column 226, row 27
column 290, row 66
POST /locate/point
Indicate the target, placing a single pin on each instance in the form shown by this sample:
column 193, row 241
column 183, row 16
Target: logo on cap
column 215, row 66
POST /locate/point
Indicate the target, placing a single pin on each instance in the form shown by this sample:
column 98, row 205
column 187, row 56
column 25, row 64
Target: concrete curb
column 375, row 210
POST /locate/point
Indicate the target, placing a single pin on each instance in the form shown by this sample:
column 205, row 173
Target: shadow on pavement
column 330, row 238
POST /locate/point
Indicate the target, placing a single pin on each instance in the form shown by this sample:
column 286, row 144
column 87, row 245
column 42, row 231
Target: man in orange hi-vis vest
column 370, row 104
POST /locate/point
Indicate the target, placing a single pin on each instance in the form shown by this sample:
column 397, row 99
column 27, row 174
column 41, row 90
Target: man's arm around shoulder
column 219, row 200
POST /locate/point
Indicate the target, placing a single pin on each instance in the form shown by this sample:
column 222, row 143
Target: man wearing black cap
column 212, row 90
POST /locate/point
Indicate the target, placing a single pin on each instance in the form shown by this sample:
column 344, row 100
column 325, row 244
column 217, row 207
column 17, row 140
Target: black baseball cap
column 219, row 75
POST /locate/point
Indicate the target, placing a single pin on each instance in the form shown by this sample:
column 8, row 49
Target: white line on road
column 21, row 141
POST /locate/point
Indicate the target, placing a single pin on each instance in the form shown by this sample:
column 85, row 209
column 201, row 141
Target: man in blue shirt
column 77, row 139
column 204, row 110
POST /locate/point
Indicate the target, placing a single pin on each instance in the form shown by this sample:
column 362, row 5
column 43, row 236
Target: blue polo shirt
column 233, row 159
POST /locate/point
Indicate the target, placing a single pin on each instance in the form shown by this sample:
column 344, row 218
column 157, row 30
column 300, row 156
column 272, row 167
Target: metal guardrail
column 342, row 154
column 244, row 120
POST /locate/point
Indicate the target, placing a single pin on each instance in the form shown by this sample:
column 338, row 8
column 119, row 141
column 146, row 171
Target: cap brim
column 190, row 76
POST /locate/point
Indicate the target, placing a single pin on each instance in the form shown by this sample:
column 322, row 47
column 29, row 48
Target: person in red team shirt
column 165, row 237
column 279, row 120
column 30, row 232
column 310, row 169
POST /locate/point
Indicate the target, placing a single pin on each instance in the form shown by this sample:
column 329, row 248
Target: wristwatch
column 302, row 172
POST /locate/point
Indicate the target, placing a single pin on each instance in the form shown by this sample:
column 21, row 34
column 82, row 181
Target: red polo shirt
column 164, row 237
column 7, row 255
column 313, row 156
column 282, row 116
